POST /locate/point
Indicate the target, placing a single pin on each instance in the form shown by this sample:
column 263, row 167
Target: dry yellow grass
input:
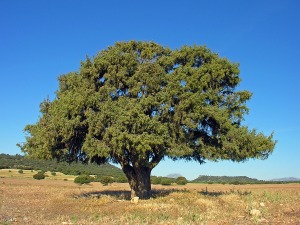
column 28, row 201
column 14, row 173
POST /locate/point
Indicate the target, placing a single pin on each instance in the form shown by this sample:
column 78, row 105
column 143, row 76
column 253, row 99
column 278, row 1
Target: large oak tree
column 136, row 103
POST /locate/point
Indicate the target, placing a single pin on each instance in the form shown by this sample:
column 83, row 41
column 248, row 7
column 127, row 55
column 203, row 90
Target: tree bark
column 139, row 181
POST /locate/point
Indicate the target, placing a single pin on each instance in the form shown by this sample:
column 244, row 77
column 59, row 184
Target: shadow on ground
column 156, row 193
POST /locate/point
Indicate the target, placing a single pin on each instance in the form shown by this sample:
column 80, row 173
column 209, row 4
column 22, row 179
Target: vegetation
column 105, row 180
column 83, row 179
column 166, row 181
column 136, row 103
column 39, row 176
column 25, row 163
column 66, row 203
column 181, row 181
column 234, row 180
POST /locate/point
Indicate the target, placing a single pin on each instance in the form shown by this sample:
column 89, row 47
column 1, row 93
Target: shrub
column 83, row 179
column 53, row 173
column 39, row 176
column 166, row 181
column 105, row 180
column 236, row 182
column 20, row 171
column 181, row 181
column 42, row 171
column 122, row 179
column 155, row 180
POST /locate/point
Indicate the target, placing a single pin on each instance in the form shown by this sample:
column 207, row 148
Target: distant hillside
column 174, row 175
column 286, row 179
column 225, row 179
column 21, row 162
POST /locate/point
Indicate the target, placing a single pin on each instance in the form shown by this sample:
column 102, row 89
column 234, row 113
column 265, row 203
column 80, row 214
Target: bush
column 122, row 179
column 166, row 181
column 105, row 180
column 236, row 182
column 20, row 171
column 53, row 173
column 39, row 176
column 181, row 181
column 83, row 179
column 155, row 180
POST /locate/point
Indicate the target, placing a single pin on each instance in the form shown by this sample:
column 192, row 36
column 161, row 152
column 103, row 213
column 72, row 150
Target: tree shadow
column 119, row 195
column 155, row 193
column 125, row 195
column 219, row 193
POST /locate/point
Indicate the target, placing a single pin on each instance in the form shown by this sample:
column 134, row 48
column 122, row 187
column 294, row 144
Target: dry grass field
column 24, row 200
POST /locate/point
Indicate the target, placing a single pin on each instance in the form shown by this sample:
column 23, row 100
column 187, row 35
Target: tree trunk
column 139, row 181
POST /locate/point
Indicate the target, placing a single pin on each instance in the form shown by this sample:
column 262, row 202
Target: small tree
column 166, row 181
column 181, row 181
column 156, row 180
column 83, row 179
column 39, row 176
column 137, row 103
column 105, row 180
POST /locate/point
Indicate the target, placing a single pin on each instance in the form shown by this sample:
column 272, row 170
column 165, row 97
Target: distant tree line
column 236, row 180
column 104, row 173
column 24, row 163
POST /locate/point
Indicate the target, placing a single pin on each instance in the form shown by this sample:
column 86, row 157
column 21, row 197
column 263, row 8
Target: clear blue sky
column 40, row 40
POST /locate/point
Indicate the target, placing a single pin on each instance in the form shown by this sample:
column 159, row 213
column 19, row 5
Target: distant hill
column 286, row 179
column 174, row 175
column 225, row 179
column 21, row 162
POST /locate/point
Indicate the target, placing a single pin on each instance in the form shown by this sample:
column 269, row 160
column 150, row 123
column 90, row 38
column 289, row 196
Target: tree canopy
column 136, row 103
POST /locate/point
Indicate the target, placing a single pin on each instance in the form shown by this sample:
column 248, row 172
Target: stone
column 262, row 204
column 255, row 212
column 135, row 200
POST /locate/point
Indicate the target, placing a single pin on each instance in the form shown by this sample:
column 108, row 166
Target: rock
column 255, row 212
column 135, row 200
column 262, row 204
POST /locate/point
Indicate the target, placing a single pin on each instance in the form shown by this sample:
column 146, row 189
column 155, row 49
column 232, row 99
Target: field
column 54, row 200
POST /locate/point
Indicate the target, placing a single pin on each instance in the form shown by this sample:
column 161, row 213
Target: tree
column 181, row 181
column 136, row 103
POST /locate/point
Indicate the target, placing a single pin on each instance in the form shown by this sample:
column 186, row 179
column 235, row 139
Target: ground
column 24, row 200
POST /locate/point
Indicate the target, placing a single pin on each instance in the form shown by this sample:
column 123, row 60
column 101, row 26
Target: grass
column 14, row 173
column 48, row 201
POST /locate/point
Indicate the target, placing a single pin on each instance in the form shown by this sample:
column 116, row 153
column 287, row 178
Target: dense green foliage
column 21, row 162
column 105, row 180
column 166, row 181
column 83, row 179
column 155, row 180
column 234, row 180
column 138, row 102
column 225, row 179
column 181, row 181
column 39, row 176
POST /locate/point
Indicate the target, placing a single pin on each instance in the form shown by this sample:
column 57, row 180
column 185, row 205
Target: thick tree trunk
column 139, row 181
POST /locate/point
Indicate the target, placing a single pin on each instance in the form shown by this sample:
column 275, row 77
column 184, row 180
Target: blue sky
column 40, row 40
